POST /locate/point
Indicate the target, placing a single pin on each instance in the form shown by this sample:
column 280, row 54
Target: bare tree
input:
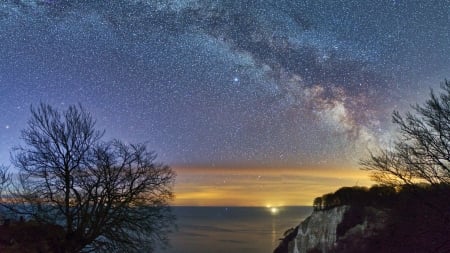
column 108, row 196
column 4, row 178
column 419, row 165
column 421, row 153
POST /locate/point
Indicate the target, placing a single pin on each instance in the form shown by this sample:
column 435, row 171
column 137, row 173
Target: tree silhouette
column 108, row 196
column 317, row 204
column 418, row 165
column 422, row 150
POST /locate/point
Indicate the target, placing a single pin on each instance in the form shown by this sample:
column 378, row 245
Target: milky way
column 292, row 83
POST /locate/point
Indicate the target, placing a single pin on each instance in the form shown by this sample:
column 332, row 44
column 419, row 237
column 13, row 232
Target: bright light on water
column 274, row 210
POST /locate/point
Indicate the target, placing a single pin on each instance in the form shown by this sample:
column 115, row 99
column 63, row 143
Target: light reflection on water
column 232, row 229
column 274, row 232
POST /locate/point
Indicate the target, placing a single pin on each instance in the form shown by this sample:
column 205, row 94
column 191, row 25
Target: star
column 279, row 84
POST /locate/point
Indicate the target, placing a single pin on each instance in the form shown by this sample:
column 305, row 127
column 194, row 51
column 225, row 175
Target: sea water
column 232, row 229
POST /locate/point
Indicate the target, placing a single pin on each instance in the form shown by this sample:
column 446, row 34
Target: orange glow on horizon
column 260, row 186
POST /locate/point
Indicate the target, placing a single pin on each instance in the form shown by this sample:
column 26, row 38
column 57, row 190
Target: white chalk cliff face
column 318, row 231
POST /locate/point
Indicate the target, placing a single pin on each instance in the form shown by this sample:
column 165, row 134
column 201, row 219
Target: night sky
column 277, row 98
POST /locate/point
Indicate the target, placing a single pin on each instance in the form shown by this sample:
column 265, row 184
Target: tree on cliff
column 108, row 196
column 421, row 153
column 317, row 204
column 418, row 164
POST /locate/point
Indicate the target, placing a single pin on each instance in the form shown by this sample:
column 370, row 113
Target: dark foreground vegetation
column 30, row 237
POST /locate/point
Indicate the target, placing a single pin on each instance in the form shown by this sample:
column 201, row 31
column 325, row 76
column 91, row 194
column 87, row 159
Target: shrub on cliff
column 377, row 195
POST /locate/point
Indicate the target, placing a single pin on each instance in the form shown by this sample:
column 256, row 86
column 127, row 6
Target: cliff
column 337, row 229
column 411, row 218
column 318, row 231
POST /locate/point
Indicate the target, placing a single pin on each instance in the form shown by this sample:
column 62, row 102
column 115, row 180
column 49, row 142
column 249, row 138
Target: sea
column 232, row 229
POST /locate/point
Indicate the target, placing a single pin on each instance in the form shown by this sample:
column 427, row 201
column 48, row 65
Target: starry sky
column 277, row 98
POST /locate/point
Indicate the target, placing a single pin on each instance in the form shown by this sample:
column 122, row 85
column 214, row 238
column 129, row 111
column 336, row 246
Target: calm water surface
column 232, row 229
